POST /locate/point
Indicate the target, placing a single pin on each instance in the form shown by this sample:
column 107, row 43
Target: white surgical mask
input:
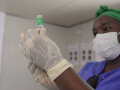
column 107, row 45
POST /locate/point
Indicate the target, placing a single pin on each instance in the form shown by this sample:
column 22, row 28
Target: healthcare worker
column 51, row 70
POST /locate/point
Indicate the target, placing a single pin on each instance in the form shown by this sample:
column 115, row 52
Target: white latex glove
column 41, row 77
column 43, row 52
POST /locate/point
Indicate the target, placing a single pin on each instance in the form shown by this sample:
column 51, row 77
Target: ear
column 119, row 34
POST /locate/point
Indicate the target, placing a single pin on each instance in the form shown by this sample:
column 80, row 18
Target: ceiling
column 60, row 12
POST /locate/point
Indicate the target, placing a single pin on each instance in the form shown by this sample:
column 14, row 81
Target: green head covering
column 103, row 10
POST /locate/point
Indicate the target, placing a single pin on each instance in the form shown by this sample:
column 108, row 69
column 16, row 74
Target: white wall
column 15, row 75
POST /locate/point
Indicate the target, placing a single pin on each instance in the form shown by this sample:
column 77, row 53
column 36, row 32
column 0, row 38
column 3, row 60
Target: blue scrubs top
column 106, row 81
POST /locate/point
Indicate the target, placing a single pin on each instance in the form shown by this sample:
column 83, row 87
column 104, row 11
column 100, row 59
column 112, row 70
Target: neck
column 112, row 64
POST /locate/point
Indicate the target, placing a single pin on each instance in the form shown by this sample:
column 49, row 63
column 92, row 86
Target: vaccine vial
column 39, row 22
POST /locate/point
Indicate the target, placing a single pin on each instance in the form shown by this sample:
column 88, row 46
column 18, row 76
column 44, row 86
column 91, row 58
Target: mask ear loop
column 117, row 37
column 118, row 33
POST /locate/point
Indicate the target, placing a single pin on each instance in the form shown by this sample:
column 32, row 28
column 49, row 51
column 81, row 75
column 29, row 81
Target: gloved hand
column 43, row 52
column 41, row 77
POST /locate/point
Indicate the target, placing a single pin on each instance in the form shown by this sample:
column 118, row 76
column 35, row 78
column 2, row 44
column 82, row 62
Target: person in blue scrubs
column 105, row 75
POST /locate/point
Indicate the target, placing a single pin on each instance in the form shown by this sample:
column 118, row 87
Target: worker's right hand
column 43, row 52
column 41, row 77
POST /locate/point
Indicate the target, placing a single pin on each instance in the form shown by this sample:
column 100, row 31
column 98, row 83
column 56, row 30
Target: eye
column 106, row 28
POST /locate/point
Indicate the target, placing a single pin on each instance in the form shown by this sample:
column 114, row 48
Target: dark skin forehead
column 104, row 18
column 98, row 23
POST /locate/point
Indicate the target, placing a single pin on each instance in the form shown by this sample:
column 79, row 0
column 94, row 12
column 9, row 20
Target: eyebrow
column 105, row 23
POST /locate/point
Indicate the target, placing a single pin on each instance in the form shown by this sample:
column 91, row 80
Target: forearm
column 69, row 80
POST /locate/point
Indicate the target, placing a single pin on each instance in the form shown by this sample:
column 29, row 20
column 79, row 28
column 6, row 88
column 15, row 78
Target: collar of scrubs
column 105, row 77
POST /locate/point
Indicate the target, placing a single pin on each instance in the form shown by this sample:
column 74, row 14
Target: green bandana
column 103, row 10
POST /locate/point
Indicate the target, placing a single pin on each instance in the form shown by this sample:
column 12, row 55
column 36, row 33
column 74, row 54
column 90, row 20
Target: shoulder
column 91, row 68
column 91, row 65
